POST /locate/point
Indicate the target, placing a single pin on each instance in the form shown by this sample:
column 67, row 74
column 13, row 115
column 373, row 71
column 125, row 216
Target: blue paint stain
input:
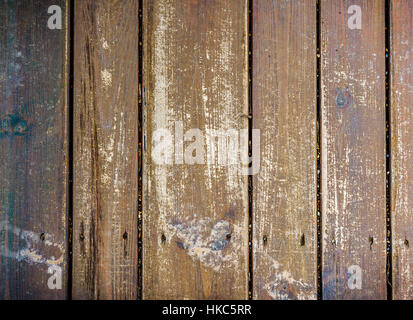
column 182, row 245
column 12, row 125
column 218, row 239
column 220, row 235
column 343, row 99
column 20, row 128
column 219, row 244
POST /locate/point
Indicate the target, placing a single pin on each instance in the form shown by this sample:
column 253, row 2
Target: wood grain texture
column 353, row 150
column 105, row 150
column 195, row 219
column 284, row 110
column 33, row 131
column 402, row 146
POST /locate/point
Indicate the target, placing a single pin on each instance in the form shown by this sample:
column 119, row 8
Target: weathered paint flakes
column 106, row 77
column 33, row 250
column 205, row 241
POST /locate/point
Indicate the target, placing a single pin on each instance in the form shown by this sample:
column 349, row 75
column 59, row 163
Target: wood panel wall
column 174, row 96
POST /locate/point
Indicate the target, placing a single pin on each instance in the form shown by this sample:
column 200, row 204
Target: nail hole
column 406, row 243
column 302, row 241
column 42, row 236
column 228, row 236
column 371, row 241
column 125, row 235
column 333, row 242
column 81, row 237
column 264, row 239
column 163, row 238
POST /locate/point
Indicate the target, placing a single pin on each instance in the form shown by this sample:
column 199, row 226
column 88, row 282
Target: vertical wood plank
column 33, row 144
column 284, row 109
column 402, row 146
column 195, row 232
column 105, row 149
column 353, row 151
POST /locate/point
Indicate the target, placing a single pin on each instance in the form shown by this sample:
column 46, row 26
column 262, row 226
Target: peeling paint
column 283, row 286
column 106, row 77
column 206, row 241
column 32, row 251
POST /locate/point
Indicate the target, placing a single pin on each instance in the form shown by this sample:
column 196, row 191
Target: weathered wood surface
column 353, row 151
column 33, row 144
column 402, row 146
column 105, row 149
column 195, row 220
column 284, row 110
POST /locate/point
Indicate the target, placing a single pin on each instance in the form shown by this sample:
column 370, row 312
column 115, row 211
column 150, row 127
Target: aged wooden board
column 353, row 150
column 284, row 110
column 105, row 150
column 195, row 232
column 33, row 157
column 402, row 146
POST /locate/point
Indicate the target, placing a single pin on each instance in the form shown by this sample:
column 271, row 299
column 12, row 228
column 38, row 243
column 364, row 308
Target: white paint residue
column 283, row 284
column 105, row 45
column 106, row 78
column 31, row 251
column 161, row 114
column 205, row 240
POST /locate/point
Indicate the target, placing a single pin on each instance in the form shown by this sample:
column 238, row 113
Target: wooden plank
column 284, row 110
column 33, row 143
column 195, row 219
column 402, row 146
column 353, row 150
column 105, row 149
